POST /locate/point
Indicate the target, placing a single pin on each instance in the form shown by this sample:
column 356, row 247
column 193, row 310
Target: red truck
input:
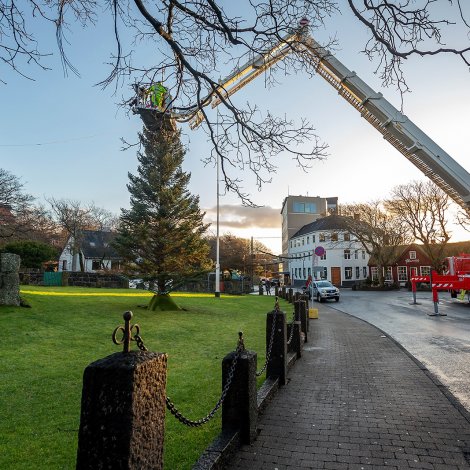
column 456, row 279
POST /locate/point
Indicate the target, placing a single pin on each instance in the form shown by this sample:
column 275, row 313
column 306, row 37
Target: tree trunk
column 162, row 303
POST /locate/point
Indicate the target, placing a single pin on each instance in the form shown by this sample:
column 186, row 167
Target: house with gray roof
column 96, row 252
column 325, row 249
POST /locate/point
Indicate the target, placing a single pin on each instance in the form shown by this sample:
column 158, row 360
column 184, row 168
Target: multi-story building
column 340, row 257
column 298, row 211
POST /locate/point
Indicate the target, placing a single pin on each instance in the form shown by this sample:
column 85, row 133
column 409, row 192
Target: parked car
column 324, row 290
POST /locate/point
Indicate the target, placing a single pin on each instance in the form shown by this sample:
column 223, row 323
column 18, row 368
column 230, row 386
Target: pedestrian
column 268, row 287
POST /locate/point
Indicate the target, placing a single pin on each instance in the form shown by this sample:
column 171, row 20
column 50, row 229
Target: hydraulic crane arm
column 395, row 127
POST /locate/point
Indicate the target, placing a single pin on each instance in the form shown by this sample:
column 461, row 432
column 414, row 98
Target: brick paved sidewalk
column 357, row 401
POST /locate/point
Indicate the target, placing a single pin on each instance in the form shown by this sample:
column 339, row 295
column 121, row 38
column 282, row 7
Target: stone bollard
column 303, row 313
column 304, row 297
column 290, row 295
column 277, row 364
column 122, row 420
column 295, row 344
column 283, row 292
column 240, row 408
column 260, row 289
column 297, row 296
column 9, row 279
column 276, row 291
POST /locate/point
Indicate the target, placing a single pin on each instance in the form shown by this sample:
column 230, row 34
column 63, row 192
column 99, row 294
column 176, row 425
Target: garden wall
column 78, row 279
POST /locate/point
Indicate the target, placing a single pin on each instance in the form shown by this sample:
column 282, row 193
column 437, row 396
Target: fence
column 124, row 396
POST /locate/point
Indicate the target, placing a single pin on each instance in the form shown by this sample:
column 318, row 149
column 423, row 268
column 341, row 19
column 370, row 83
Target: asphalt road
column 441, row 343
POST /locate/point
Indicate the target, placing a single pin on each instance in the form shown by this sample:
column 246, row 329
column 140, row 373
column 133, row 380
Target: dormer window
column 412, row 254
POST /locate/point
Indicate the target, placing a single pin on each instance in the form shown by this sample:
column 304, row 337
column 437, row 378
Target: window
column 358, row 272
column 425, row 270
column 313, row 238
column 346, row 237
column 64, row 265
column 308, row 240
column 363, row 254
column 364, row 271
column 298, row 207
column 323, row 257
column 388, row 273
column 347, row 254
column 412, row 254
column 348, row 273
column 303, row 241
column 95, row 265
column 303, row 273
column 324, row 274
column 356, row 254
column 295, row 275
column 291, row 243
column 402, row 274
column 334, row 237
column 322, row 237
column 309, row 271
column 374, row 273
column 310, row 207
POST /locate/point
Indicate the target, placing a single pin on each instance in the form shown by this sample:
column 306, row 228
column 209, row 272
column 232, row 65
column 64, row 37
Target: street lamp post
column 217, row 259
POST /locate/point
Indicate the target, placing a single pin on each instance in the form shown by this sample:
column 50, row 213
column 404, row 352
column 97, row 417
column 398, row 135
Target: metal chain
column 271, row 340
column 195, row 423
column 140, row 343
column 292, row 329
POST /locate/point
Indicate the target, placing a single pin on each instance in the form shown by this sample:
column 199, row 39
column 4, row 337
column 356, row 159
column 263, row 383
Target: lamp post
column 217, row 256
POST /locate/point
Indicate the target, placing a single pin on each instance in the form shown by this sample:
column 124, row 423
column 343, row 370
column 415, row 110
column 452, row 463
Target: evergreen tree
column 161, row 235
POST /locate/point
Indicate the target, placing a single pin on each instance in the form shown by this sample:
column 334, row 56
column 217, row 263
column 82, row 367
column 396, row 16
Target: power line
column 53, row 142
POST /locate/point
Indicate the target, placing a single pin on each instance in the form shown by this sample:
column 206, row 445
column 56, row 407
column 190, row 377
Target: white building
column 340, row 257
column 95, row 253
column 298, row 211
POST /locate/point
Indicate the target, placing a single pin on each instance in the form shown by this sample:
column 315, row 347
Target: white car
column 323, row 290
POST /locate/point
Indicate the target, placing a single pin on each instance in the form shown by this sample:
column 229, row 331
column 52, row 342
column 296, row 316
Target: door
column 336, row 276
column 413, row 272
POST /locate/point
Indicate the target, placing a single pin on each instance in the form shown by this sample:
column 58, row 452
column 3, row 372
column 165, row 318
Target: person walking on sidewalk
column 268, row 287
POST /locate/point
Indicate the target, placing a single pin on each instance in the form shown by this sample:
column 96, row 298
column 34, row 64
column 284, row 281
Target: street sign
column 319, row 251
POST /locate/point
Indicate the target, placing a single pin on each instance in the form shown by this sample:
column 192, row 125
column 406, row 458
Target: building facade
column 324, row 249
column 95, row 253
column 298, row 211
column 412, row 261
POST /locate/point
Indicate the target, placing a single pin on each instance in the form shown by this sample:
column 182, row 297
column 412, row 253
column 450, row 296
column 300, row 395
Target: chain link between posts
column 291, row 329
column 271, row 339
column 199, row 422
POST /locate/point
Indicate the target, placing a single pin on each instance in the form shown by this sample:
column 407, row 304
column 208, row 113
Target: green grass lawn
column 45, row 349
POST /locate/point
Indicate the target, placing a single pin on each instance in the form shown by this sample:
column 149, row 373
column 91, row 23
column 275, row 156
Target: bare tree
column 15, row 206
column 74, row 217
column 422, row 207
column 463, row 219
column 378, row 230
column 194, row 41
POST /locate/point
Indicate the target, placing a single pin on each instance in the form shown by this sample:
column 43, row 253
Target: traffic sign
column 319, row 251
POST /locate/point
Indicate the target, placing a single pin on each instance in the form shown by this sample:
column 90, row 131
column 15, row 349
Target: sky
column 62, row 134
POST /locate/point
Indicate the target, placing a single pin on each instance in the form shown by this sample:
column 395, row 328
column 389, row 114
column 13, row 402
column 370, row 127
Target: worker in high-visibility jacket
column 157, row 95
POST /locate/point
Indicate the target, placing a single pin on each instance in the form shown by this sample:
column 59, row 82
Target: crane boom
column 395, row 127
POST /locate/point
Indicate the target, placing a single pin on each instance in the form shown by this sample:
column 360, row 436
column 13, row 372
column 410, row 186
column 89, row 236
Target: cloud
column 236, row 217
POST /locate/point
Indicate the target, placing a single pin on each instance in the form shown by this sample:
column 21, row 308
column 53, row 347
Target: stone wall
column 78, row 279
column 9, row 279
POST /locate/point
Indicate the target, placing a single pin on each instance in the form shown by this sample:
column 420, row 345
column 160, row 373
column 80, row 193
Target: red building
column 412, row 261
